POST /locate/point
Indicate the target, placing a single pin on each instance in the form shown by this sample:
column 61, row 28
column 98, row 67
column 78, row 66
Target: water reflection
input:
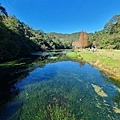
column 63, row 90
column 12, row 72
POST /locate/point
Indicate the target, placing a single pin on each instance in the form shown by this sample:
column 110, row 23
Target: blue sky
column 63, row 16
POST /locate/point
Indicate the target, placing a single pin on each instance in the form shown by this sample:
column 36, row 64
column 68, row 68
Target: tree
column 115, row 28
column 83, row 39
column 82, row 42
column 111, row 22
column 3, row 10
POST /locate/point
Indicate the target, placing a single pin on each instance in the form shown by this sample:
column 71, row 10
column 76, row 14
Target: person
column 93, row 48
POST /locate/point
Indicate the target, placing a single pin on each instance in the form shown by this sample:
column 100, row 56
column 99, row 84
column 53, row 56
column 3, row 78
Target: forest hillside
column 18, row 39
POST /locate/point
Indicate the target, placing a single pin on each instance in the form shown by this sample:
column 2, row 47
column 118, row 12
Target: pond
column 59, row 89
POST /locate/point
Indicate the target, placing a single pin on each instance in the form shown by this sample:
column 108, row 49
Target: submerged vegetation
column 59, row 92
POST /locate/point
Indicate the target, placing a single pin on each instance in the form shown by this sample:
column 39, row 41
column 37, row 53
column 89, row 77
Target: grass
column 106, row 60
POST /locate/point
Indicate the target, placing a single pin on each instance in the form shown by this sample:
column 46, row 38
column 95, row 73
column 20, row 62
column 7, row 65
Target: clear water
column 63, row 90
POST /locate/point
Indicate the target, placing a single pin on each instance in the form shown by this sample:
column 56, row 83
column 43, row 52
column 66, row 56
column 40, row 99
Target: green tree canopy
column 3, row 10
column 111, row 22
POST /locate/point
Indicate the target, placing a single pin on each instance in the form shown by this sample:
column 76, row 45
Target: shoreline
column 104, row 60
column 106, row 70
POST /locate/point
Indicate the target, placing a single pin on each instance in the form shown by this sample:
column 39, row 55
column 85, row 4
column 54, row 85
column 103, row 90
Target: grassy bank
column 106, row 60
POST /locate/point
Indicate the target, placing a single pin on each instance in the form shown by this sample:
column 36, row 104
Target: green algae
column 64, row 91
column 99, row 91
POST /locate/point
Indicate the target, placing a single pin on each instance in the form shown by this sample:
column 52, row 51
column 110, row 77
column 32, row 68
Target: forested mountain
column 108, row 38
column 18, row 39
column 66, row 39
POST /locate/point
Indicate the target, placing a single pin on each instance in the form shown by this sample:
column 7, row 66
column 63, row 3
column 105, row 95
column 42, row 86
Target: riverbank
column 107, row 61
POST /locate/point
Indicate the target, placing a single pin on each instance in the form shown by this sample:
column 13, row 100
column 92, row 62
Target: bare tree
column 85, row 40
column 82, row 42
